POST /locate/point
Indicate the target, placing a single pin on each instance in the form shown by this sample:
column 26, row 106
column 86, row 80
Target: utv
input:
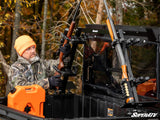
column 104, row 94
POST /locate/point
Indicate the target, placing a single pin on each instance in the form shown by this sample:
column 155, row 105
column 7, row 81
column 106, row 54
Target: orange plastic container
column 28, row 99
column 150, row 85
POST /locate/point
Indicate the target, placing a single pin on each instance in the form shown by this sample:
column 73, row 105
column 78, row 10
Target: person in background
column 30, row 68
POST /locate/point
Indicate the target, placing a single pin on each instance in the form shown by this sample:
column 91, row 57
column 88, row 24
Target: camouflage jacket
column 23, row 73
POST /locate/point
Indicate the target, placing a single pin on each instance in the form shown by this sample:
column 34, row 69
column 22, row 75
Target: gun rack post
column 157, row 69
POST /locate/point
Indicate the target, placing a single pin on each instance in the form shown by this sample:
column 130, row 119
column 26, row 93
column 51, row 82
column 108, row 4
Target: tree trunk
column 44, row 30
column 4, row 64
column 15, row 31
column 119, row 12
column 99, row 13
column 98, row 21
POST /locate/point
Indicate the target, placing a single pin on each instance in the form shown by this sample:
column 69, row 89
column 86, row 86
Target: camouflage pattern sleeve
column 50, row 63
column 24, row 78
column 17, row 77
column 44, row 83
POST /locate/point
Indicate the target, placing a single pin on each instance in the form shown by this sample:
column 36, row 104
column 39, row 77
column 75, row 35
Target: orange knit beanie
column 22, row 43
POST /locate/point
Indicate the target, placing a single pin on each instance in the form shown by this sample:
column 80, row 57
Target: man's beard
column 33, row 59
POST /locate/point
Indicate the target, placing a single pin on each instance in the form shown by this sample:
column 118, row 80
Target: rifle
column 69, row 33
column 125, row 85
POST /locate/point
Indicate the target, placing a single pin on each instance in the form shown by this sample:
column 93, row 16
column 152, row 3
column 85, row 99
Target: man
column 30, row 69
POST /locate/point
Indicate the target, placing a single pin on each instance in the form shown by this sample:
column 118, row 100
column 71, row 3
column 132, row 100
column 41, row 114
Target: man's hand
column 65, row 49
column 55, row 81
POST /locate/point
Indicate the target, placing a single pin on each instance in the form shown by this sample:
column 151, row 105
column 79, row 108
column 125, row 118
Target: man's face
column 29, row 53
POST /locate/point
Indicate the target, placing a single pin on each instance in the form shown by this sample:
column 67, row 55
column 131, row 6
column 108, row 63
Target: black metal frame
column 157, row 69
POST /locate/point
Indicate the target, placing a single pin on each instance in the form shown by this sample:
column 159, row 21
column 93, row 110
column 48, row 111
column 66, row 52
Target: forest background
column 45, row 20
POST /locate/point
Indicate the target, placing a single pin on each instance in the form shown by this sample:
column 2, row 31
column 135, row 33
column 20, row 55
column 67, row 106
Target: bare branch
column 87, row 12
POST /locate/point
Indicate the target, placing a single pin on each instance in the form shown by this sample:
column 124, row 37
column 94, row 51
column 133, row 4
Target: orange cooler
column 150, row 85
column 28, row 99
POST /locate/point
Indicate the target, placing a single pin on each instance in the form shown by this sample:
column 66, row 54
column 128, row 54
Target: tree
column 98, row 21
column 44, row 30
column 4, row 63
column 119, row 12
column 15, row 30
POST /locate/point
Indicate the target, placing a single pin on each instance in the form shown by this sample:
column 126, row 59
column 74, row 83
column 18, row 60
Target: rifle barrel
column 70, row 31
column 74, row 17
column 125, row 85
column 110, row 20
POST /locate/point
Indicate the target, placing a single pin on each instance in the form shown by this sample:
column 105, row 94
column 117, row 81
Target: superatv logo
column 136, row 114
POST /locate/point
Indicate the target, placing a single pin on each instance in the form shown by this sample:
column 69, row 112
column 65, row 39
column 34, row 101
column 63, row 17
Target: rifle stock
column 71, row 28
